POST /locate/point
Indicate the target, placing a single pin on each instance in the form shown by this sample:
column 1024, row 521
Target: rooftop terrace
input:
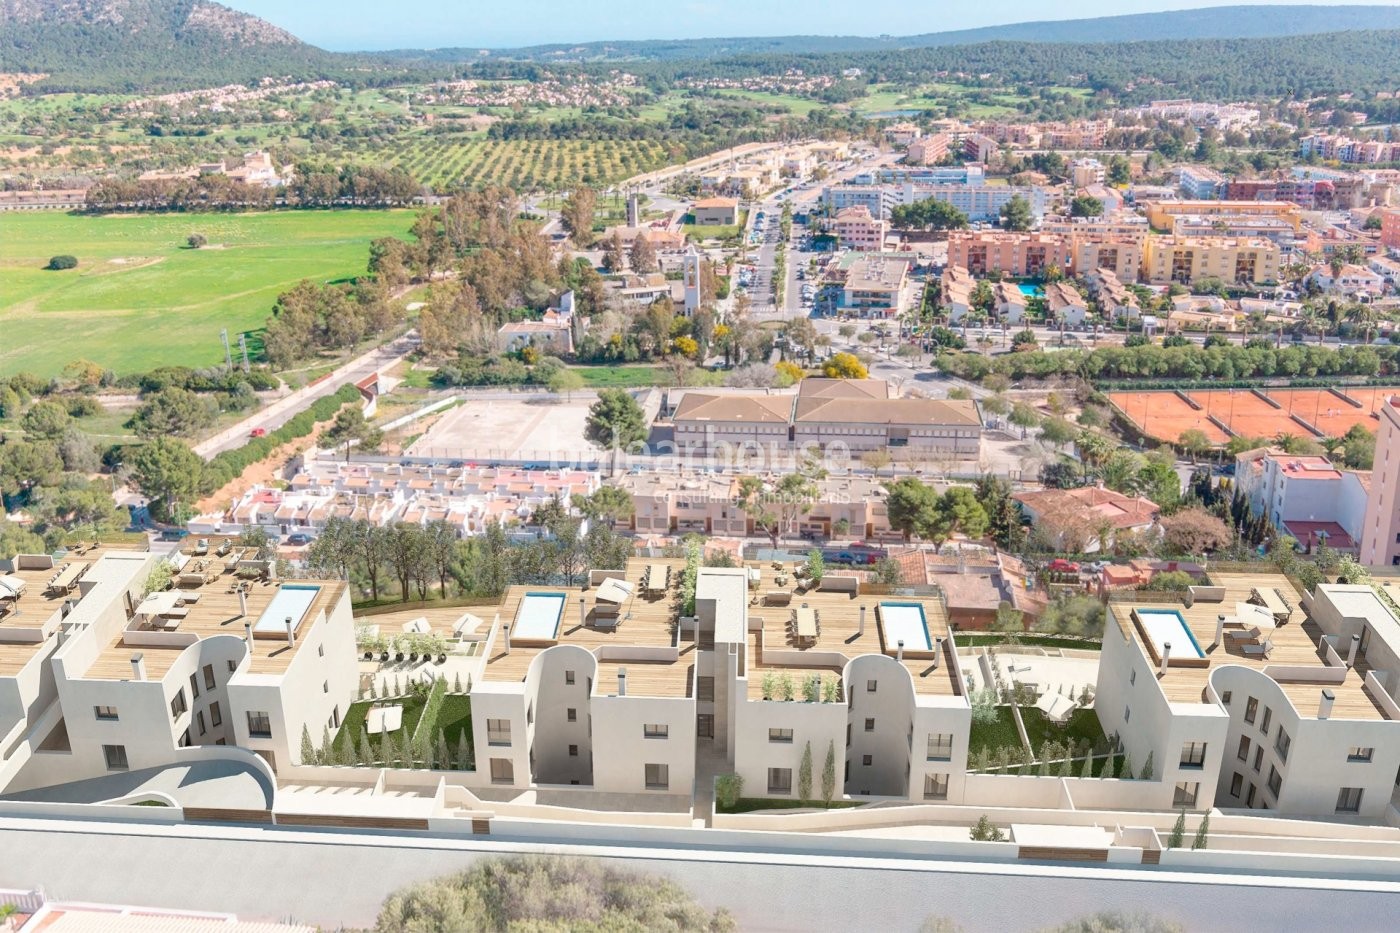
column 1295, row 644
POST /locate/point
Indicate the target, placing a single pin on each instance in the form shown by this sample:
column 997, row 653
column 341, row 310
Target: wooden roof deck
column 839, row 631
column 217, row 613
column 1294, row 645
column 643, row 620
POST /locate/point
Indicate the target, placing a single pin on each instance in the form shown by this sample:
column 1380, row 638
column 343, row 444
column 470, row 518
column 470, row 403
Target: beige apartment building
column 827, row 414
column 856, row 228
column 1120, row 255
column 101, row 673
column 1162, row 214
column 1168, row 259
column 1017, row 254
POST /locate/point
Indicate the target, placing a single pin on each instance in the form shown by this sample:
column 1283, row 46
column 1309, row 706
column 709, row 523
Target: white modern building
column 1305, row 496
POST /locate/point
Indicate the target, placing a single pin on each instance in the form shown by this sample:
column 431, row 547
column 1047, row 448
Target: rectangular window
column 573, row 751
column 502, row 771
column 232, row 666
column 1349, row 800
column 1268, row 717
column 194, row 686
column 935, row 787
column 1236, row 784
column 569, row 677
column 940, row 746
column 780, row 735
column 705, row 689
column 1193, row 755
column 105, row 712
column 1225, row 697
column 658, row 777
column 178, row 706
column 498, row 732
column 216, row 716
column 871, row 685
column 1251, row 709
column 655, row 730
column 869, row 725
column 209, row 682
column 259, row 725
column 116, row 757
column 1249, row 798
column 1244, row 748
column 1185, row 794
column 1132, row 677
column 1355, row 753
column 199, row 719
column 1258, row 757
column 867, row 760
column 779, row 780
column 1282, row 742
column 572, row 714
column 1275, row 781
column 1127, row 714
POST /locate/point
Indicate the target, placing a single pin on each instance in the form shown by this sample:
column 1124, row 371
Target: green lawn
column 454, row 719
column 619, row 377
column 1083, row 724
column 999, row 734
column 139, row 299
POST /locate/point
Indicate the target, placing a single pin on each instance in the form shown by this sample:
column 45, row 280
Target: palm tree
column 1363, row 316
column 1311, row 321
column 1094, row 449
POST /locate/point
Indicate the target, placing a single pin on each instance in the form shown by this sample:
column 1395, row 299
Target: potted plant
column 398, row 648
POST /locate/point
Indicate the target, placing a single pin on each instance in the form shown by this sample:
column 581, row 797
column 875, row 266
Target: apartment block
column 1017, row 254
column 876, row 286
column 1273, row 229
column 1200, row 183
column 1380, row 532
column 981, row 203
column 856, row 228
column 902, row 134
column 930, row 150
column 1390, row 230
column 1160, row 214
column 1167, row 259
column 116, row 674
column 877, row 199
column 1243, row 707
column 1086, row 172
column 1305, row 496
column 979, row 148
column 1104, row 252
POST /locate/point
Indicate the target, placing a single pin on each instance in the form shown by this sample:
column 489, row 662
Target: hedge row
column 1140, row 385
column 231, row 463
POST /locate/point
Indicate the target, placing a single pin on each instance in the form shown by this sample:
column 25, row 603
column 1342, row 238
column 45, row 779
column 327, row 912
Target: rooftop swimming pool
column 905, row 622
column 291, row 601
column 1166, row 626
column 538, row 617
column 1031, row 291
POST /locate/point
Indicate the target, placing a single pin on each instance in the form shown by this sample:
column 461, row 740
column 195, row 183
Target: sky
column 362, row 25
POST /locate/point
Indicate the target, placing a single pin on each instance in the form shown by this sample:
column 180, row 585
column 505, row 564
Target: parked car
column 174, row 534
column 1060, row 565
column 258, row 432
column 298, row 539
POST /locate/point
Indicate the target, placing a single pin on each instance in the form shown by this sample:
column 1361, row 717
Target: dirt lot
column 528, row 429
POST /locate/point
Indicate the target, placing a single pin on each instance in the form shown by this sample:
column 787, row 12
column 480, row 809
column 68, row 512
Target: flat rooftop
column 1295, row 644
column 643, row 620
column 215, row 611
column 839, row 631
column 45, row 589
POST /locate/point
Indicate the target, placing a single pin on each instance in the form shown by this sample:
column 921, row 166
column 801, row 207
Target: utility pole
column 243, row 345
column 228, row 356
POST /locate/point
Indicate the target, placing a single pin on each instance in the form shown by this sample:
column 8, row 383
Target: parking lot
column 538, row 429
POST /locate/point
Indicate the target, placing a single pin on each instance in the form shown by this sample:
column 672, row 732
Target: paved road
column 334, row 878
column 281, row 411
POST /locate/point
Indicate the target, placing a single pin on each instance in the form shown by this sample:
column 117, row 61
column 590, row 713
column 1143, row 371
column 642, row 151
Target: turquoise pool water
column 905, row 622
column 1031, row 291
column 538, row 617
column 290, row 602
column 1166, row 626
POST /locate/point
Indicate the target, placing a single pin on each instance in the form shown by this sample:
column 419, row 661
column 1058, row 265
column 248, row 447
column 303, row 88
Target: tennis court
column 1165, row 415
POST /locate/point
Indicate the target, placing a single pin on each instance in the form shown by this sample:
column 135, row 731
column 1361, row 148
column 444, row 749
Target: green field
column 140, row 299
column 527, row 164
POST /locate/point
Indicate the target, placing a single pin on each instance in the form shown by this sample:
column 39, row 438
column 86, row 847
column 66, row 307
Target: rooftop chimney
column 862, row 620
column 582, row 613
column 242, row 603
column 1351, row 652
column 138, row 667
column 937, row 651
column 1166, row 656
column 248, row 635
column 1219, row 629
column 505, row 630
column 1324, row 708
column 622, row 681
column 899, row 650
column 291, row 632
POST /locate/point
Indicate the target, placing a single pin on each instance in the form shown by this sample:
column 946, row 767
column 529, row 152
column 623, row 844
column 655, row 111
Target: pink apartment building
column 1380, row 531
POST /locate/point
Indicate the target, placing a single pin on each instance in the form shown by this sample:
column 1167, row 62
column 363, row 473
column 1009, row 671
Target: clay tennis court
column 1165, row 415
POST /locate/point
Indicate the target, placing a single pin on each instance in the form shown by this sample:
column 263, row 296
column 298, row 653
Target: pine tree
column 442, row 761
column 1178, row 835
column 462, row 751
column 1044, row 767
column 386, row 751
column 1200, row 841
column 984, row 759
column 397, row 691
column 405, row 755
column 374, row 688
column 457, row 683
column 1066, row 766
column 364, row 756
column 829, row 774
column 308, row 751
column 1125, row 770
column 1088, row 770
column 1147, row 773
column 326, row 753
column 1110, row 767
column 804, row 774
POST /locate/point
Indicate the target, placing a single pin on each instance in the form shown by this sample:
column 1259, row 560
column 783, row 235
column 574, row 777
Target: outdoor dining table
column 807, row 624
